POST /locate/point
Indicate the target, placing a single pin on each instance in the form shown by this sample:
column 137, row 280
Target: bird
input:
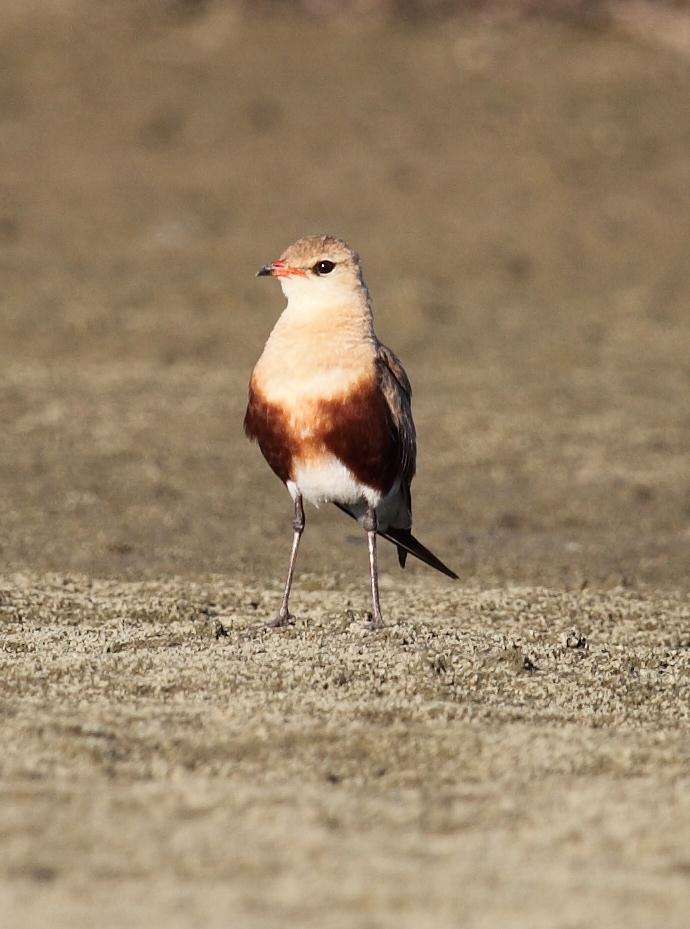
column 330, row 407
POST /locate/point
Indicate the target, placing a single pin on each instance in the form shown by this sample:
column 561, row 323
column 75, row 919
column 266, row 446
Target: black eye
column 323, row 267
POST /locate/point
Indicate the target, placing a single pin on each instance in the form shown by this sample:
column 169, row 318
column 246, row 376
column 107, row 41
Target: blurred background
column 516, row 177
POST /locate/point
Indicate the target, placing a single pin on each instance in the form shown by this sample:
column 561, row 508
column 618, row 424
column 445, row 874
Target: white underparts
column 329, row 481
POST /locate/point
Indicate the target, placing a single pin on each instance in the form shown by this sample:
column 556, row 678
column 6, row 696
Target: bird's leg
column 370, row 523
column 285, row 617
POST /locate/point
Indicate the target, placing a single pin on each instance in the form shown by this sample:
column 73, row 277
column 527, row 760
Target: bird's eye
column 323, row 267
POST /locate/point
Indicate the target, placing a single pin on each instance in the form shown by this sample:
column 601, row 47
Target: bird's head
column 318, row 269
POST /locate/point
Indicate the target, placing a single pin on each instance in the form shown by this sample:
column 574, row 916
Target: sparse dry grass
column 489, row 748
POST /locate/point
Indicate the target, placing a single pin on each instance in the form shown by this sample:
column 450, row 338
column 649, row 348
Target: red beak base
column 279, row 268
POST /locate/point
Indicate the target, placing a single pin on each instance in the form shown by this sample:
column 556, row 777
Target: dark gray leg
column 370, row 524
column 285, row 617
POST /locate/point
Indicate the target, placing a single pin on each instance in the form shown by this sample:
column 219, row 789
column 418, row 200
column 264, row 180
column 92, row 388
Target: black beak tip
column 265, row 271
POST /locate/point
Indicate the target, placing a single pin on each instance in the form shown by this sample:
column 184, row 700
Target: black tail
column 407, row 544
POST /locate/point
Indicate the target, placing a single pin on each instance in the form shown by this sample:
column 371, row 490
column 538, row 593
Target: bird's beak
column 280, row 269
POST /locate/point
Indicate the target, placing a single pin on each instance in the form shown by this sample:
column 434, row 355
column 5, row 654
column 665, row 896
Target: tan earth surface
column 514, row 749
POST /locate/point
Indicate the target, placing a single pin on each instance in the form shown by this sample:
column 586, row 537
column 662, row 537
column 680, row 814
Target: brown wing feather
column 407, row 544
column 397, row 390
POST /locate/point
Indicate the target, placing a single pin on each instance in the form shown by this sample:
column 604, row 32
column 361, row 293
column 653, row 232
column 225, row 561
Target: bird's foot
column 376, row 623
column 283, row 619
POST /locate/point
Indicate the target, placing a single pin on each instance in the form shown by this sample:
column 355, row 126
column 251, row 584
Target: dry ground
column 495, row 758
column 513, row 750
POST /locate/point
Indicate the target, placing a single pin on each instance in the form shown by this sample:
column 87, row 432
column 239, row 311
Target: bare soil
column 513, row 750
